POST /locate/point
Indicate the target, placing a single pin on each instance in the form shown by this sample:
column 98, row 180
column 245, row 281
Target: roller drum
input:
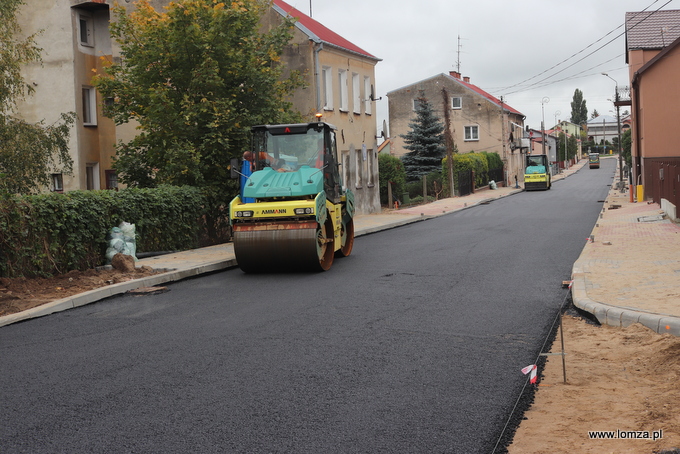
column 280, row 247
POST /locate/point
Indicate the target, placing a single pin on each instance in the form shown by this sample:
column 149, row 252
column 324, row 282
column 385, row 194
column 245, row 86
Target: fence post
column 389, row 194
column 424, row 188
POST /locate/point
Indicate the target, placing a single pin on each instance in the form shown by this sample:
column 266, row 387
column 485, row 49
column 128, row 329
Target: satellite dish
column 384, row 130
column 373, row 98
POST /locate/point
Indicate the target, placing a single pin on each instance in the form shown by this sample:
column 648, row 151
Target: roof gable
column 468, row 86
column 318, row 32
column 481, row 92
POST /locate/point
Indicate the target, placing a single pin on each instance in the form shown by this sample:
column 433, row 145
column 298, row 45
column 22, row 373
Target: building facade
column 653, row 57
column 602, row 129
column 75, row 35
column 479, row 121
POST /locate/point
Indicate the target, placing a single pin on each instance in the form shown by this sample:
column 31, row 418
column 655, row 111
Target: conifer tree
column 425, row 140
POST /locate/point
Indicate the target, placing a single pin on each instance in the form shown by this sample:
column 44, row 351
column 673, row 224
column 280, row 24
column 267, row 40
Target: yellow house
column 340, row 85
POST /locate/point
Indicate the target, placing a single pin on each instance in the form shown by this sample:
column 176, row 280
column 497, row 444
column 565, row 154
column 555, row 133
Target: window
column 92, row 175
column 371, row 169
column 89, row 107
column 356, row 93
column 327, row 87
column 416, row 104
column 456, row 102
column 85, row 30
column 471, row 133
column 111, row 179
column 57, row 182
column 345, row 168
column 344, row 97
column 359, row 168
column 368, row 95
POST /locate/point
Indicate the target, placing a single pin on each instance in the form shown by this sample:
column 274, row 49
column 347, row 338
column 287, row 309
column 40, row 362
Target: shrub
column 391, row 169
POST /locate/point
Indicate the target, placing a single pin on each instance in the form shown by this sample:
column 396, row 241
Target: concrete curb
column 99, row 294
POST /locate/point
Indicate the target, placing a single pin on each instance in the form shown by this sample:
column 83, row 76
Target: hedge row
column 46, row 234
column 479, row 162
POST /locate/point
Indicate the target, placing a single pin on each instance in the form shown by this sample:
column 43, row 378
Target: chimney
column 466, row 79
column 455, row 74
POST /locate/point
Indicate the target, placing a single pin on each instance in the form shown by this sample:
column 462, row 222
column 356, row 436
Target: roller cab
column 292, row 212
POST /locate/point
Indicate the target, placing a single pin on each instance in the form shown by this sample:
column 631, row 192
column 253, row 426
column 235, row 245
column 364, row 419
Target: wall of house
column 475, row 110
column 659, row 97
column 53, row 80
column 656, row 107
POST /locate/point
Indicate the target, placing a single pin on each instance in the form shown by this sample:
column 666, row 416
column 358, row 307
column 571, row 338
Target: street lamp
column 622, row 186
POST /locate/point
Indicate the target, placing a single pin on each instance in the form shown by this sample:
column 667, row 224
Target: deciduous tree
column 195, row 77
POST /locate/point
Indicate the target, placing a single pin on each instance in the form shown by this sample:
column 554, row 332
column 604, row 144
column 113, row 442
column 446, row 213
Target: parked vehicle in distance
column 594, row 160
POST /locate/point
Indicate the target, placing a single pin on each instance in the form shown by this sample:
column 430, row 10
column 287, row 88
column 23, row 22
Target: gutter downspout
column 318, row 47
column 637, row 167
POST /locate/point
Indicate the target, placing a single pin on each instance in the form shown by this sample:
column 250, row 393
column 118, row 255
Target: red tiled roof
column 488, row 96
column 320, row 31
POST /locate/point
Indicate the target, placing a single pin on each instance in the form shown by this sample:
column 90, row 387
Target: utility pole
column 503, row 140
column 622, row 186
column 448, row 138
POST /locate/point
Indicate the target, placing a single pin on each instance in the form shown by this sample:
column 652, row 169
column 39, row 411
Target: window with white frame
column 356, row 93
column 85, row 30
column 471, row 133
column 416, row 104
column 456, row 102
column 327, row 87
column 89, row 106
column 368, row 91
column 344, row 96
column 57, row 182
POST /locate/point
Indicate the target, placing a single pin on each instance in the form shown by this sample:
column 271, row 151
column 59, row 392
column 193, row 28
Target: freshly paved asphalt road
column 412, row 344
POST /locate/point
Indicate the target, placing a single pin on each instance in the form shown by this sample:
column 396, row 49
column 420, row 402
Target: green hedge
column 46, row 234
column 479, row 162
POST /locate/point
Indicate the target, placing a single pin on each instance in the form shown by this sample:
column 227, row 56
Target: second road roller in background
column 292, row 212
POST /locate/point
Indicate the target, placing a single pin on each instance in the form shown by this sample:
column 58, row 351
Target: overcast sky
column 507, row 48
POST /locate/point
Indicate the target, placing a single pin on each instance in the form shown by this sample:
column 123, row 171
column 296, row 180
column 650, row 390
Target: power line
column 536, row 84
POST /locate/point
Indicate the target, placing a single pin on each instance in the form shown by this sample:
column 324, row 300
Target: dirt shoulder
column 618, row 379
column 20, row 294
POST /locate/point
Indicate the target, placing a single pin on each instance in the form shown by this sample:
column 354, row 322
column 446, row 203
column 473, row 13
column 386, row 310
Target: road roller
column 292, row 212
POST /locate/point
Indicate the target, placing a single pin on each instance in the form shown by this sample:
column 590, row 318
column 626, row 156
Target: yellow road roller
column 292, row 212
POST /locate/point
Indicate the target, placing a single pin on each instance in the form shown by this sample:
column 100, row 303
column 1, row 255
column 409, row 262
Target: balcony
column 622, row 97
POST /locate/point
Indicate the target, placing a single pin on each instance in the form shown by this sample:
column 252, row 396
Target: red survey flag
column 532, row 368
